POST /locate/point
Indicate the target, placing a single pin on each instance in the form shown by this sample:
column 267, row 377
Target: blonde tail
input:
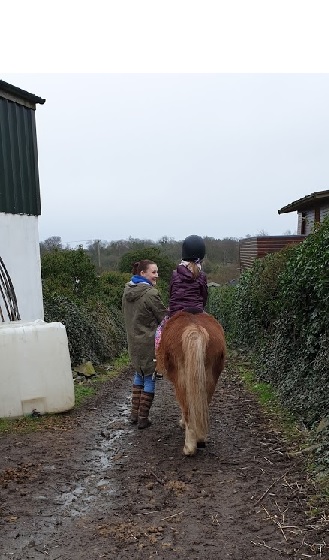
column 194, row 344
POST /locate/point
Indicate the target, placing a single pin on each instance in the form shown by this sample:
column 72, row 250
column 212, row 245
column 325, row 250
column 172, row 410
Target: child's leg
column 158, row 334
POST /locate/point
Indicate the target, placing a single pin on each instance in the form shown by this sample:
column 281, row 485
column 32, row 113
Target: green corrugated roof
column 19, row 175
column 13, row 90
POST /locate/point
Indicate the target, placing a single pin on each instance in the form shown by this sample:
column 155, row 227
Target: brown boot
column 144, row 409
column 135, row 400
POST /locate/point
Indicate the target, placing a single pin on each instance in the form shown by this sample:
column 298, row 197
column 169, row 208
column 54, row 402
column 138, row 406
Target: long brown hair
column 193, row 267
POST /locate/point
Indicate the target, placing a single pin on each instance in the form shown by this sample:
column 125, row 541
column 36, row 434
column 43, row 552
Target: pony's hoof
column 201, row 444
column 189, row 451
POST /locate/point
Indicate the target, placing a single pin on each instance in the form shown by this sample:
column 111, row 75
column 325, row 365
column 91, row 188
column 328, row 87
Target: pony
column 191, row 354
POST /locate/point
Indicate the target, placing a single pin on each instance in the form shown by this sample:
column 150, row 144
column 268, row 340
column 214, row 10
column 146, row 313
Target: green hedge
column 279, row 313
column 221, row 301
column 87, row 304
column 96, row 334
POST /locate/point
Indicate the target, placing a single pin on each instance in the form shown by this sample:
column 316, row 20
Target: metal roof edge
column 296, row 204
column 9, row 88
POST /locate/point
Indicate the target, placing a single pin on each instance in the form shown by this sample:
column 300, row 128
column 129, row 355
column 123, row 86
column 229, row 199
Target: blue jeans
column 145, row 381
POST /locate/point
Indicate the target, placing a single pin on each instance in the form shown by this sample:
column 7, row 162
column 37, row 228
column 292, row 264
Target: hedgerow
column 279, row 313
column 298, row 351
column 87, row 304
column 221, row 304
column 93, row 334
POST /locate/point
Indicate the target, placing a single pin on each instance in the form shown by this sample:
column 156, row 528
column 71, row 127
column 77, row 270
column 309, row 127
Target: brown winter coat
column 143, row 311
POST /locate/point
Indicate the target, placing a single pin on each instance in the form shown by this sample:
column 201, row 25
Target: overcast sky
column 152, row 155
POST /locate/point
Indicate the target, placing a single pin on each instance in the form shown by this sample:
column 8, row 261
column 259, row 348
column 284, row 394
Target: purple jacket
column 186, row 291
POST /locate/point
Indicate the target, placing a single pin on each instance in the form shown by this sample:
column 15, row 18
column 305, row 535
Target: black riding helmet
column 193, row 248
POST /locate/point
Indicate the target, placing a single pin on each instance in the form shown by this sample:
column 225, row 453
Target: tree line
column 221, row 263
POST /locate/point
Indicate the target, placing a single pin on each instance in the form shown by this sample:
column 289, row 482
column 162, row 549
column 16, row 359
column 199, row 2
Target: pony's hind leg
column 184, row 410
column 183, row 418
column 190, row 446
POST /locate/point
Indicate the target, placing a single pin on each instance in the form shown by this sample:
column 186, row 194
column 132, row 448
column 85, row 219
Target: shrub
column 258, row 298
column 95, row 334
column 111, row 287
column 221, row 303
column 70, row 273
column 296, row 358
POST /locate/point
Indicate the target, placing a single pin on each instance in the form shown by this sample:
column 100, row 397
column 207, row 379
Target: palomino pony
column 191, row 354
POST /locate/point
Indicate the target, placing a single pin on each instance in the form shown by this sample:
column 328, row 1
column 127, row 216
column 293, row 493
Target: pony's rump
column 191, row 354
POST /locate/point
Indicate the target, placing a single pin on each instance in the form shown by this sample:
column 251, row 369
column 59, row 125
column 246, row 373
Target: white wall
column 19, row 249
column 299, row 224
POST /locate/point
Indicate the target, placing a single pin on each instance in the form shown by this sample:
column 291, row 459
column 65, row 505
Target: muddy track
column 95, row 487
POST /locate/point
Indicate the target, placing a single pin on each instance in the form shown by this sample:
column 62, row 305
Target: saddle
column 192, row 310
